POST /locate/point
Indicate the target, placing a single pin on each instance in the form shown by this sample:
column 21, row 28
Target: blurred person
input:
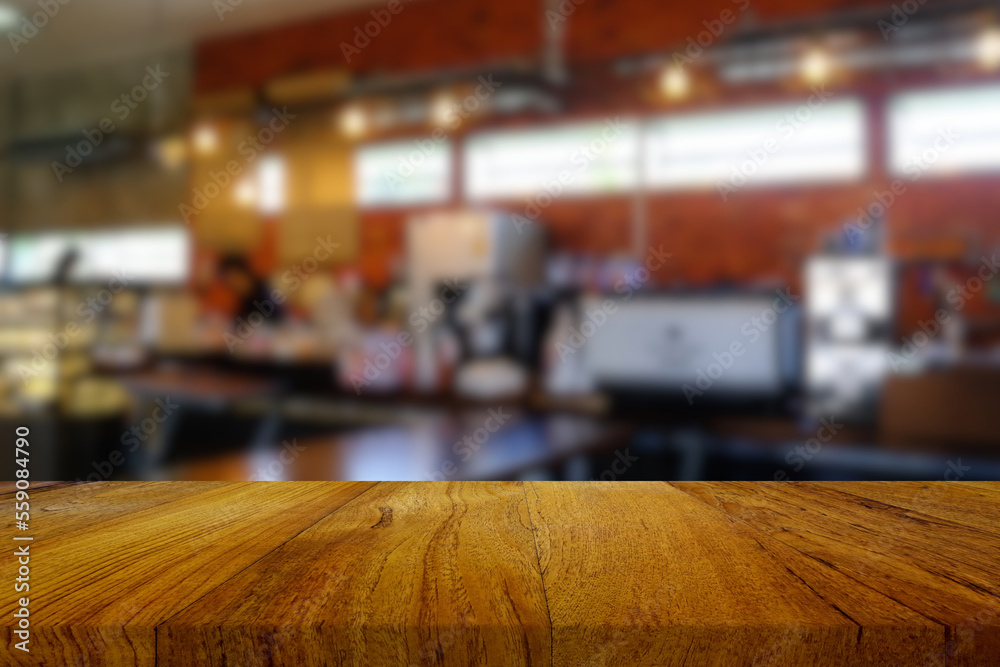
column 246, row 291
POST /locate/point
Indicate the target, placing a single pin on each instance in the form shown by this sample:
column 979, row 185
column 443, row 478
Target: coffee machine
column 475, row 277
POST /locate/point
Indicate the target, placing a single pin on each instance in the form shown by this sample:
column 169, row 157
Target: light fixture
column 206, row 139
column 8, row 17
column 353, row 121
column 442, row 109
column 271, row 179
column 674, row 82
column 171, row 151
column 245, row 193
column 988, row 48
column 816, row 66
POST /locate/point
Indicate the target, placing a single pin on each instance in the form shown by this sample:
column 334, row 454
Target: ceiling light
column 9, row 17
column 442, row 109
column 245, row 193
column 206, row 139
column 353, row 121
column 674, row 82
column 171, row 151
column 988, row 49
column 272, row 185
column 816, row 66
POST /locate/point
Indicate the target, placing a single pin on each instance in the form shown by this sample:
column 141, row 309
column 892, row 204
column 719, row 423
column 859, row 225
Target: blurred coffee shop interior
column 529, row 239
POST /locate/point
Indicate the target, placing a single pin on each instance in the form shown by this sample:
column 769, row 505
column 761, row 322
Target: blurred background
column 530, row 239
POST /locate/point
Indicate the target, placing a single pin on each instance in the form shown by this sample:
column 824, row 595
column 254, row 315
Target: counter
column 511, row 573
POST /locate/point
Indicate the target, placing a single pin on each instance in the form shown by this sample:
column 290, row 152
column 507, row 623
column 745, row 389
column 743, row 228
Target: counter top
column 510, row 573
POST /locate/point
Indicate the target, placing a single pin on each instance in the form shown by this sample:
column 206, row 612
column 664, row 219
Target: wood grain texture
column 416, row 574
column 101, row 585
column 940, row 568
column 505, row 573
column 681, row 583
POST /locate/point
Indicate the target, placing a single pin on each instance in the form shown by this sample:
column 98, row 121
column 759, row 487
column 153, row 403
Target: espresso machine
column 477, row 301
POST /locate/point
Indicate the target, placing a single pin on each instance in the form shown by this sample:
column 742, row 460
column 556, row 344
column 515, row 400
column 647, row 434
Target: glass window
column 945, row 131
column 813, row 141
column 401, row 173
column 582, row 158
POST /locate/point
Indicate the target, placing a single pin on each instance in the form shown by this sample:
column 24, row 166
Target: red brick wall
column 760, row 233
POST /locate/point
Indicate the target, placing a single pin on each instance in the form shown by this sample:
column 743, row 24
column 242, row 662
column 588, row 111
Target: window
column 945, row 131
column 813, row 141
column 403, row 173
column 154, row 255
column 582, row 158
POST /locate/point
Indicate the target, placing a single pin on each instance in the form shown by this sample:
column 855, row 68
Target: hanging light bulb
column 816, row 66
column 9, row 17
column 171, row 151
column 988, row 49
column 675, row 82
column 353, row 121
column 205, row 139
column 245, row 193
column 442, row 109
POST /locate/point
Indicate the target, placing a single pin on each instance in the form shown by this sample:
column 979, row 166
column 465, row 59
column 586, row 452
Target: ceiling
column 84, row 32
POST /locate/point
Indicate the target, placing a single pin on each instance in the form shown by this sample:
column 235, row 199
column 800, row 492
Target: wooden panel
column 320, row 184
column 416, row 574
column 221, row 222
column 644, row 574
column 78, row 508
column 636, row 574
column 101, row 586
column 966, row 503
column 937, row 567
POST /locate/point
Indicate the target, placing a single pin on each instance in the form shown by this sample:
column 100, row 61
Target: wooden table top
column 511, row 573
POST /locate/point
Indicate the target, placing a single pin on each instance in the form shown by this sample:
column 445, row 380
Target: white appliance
column 667, row 343
column 454, row 249
column 848, row 323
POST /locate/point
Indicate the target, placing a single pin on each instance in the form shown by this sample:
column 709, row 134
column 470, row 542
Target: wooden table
column 510, row 573
column 184, row 388
column 421, row 449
